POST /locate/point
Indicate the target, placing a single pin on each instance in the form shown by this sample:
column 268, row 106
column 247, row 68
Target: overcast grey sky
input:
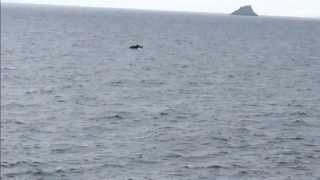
column 300, row 8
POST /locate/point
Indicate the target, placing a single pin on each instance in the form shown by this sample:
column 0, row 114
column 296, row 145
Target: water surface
column 208, row 97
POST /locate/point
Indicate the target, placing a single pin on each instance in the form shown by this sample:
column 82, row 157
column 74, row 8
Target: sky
column 296, row 8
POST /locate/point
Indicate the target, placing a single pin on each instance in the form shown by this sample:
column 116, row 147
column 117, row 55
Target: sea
column 208, row 97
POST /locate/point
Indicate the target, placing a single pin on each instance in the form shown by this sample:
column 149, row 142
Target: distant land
column 245, row 11
column 264, row 14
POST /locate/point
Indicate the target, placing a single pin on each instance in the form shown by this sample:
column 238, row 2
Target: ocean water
column 208, row 97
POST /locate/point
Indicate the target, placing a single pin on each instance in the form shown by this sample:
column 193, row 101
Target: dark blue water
column 208, row 97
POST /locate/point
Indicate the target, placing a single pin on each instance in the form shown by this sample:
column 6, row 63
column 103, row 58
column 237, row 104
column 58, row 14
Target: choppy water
column 208, row 97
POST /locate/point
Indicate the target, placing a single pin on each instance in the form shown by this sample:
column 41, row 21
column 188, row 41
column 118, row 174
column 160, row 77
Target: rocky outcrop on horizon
column 245, row 11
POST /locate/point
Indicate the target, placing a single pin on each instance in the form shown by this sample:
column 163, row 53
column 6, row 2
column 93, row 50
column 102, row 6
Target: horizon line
column 151, row 9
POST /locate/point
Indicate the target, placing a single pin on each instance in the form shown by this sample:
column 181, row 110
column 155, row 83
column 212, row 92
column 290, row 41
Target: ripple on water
column 205, row 166
column 298, row 123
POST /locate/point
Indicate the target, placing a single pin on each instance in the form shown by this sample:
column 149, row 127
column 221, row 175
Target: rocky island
column 244, row 11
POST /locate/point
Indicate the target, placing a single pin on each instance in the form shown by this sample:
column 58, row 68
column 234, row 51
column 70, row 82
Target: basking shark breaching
column 136, row 46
